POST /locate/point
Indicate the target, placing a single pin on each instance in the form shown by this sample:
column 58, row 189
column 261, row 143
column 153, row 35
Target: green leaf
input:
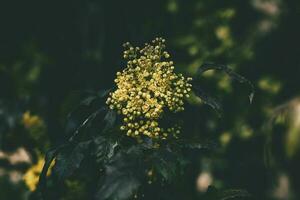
column 109, row 120
column 104, row 93
column 214, row 194
column 229, row 72
column 104, row 149
column 88, row 101
column 122, row 176
column 86, row 122
column 50, row 156
column 166, row 164
column 70, row 158
column 207, row 99
column 195, row 144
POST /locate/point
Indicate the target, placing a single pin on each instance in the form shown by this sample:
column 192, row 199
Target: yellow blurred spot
column 224, row 83
column 30, row 120
column 246, row 132
column 228, row 13
column 293, row 133
column 150, row 173
column 31, row 177
column 269, row 85
column 34, row 73
column 222, row 32
column 193, row 50
column 225, row 138
column 194, row 99
column 209, row 73
column 193, row 67
column 280, row 119
column 172, row 6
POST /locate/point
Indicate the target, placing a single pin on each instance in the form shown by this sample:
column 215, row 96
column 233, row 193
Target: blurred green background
column 53, row 51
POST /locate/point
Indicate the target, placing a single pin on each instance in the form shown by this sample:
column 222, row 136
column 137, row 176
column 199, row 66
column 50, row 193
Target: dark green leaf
column 109, row 120
column 104, row 93
column 86, row 122
column 69, row 159
column 121, row 178
column 229, row 72
column 104, row 149
column 195, row 144
column 207, row 99
column 214, row 194
column 50, row 156
column 166, row 164
column 88, row 101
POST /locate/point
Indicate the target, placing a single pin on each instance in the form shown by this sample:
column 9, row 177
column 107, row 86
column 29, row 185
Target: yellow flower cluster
column 147, row 87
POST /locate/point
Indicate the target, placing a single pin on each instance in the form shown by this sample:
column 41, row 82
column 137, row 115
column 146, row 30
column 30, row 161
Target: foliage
column 54, row 53
column 126, row 167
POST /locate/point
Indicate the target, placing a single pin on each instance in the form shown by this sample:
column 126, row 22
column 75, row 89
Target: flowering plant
column 134, row 134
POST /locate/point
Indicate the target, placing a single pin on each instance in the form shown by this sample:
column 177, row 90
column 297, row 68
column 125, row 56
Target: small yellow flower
column 146, row 87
